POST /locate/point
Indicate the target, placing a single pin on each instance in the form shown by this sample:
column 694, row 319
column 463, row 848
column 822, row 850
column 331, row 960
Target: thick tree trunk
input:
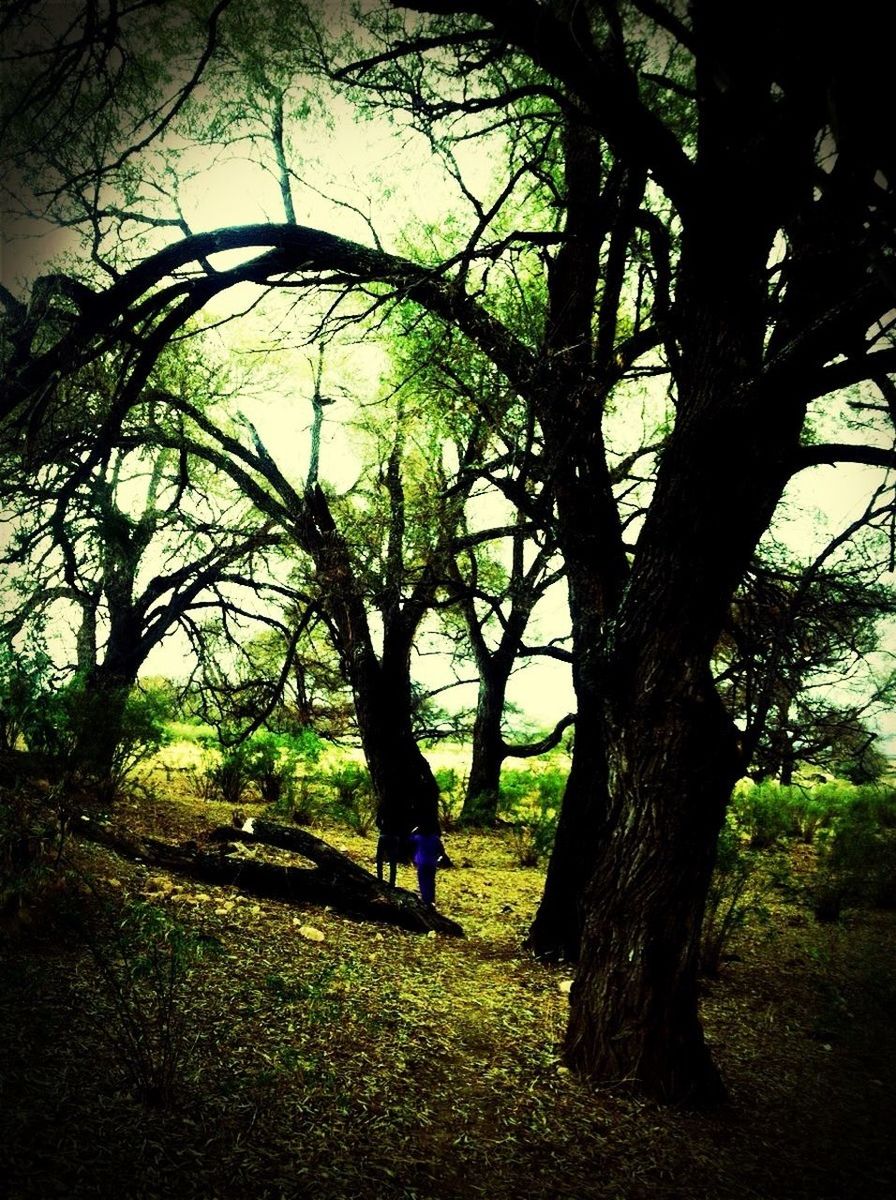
column 633, row 1007
column 404, row 785
column 100, row 722
column 488, row 752
column 556, row 931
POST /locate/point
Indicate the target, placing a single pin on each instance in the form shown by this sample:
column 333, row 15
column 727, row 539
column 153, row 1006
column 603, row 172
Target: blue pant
column 426, row 881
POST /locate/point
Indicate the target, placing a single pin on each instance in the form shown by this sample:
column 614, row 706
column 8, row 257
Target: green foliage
column 763, row 812
column 857, row 857
column 144, row 960
column 99, row 736
column 862, row 765
column 24, row 681
column 30, row 841
column 728, row 901
column 267, row 761
column 353, row 801
column 530, row 801
column 144, row 730
column 227, row 773
column 451, row 793
column 768, row 812
column 273, row 758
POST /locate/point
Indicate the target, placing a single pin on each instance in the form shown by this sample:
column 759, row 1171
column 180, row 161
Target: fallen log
column 334, row 881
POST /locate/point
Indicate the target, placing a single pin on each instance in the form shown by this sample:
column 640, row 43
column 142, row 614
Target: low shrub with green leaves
column 768, row 812
column 144, row 960
column 24, row 690
column 226, row 773
column 267, row 762
column 856, row 860
column 530, row 803
column 730, row 900
column 765, row 813
column 451, row 794
column 273, row 760
column 353, row 799
column 31, row 841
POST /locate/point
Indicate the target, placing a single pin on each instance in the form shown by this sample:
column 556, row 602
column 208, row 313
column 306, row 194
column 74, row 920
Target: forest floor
column 337, row 1059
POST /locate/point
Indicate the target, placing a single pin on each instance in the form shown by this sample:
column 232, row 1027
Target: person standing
column 388, row 850
column 428, row 850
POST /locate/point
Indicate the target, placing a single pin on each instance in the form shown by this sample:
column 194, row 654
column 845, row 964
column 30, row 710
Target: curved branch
column 533, row 749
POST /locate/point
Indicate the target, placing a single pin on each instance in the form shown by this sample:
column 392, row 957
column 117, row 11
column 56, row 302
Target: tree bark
column 633, row 1007
column 480, row 805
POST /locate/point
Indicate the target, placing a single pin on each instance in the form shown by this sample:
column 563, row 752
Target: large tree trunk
column 404, row 785
column 633, row 1008
column 556, row 931
column 488, row 751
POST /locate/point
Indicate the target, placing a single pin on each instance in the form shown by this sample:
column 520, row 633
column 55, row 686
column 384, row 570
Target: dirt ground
column 336, row 1059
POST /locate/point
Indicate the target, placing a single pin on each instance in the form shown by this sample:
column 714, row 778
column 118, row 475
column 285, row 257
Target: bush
column 531, row 801
column 769, row 812
column 451, row 792
column 765, row 813
column 24, row 688
column 353, row 802
column 31, row 840
column 273, row 759
column 727, row 903
column 269, row 761
column 856, row 861
column 227, row 773
column 144, row 960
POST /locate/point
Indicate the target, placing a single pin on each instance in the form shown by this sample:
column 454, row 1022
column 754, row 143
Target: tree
column 138, row 544
column 792, row 630
column 373, row 568
column 718, row 205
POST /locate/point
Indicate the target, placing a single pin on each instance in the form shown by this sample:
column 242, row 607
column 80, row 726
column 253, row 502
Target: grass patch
column 375, row 1062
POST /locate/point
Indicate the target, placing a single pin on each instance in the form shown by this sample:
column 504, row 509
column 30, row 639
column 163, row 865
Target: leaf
column 310, row 933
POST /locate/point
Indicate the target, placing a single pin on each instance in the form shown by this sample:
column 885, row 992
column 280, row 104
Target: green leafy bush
column 24, row 687
column 729, row 901
column 353, row 800
column 765, row 813
column 530, row 802
column 856, row 861
column 273, row 759
column 451, row 789
column 144, row 960
column 31, row 840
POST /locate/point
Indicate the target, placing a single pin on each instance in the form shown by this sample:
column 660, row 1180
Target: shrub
column 353, row 802
column 144, row 960
column 31, row 840
column 765, row 813
column 728, row 902
column 856, row 862
column 531, row 800
column 451, row 789
column 24, row 687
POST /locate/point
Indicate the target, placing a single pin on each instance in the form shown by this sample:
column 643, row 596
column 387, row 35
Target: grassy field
column 336, row 1059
